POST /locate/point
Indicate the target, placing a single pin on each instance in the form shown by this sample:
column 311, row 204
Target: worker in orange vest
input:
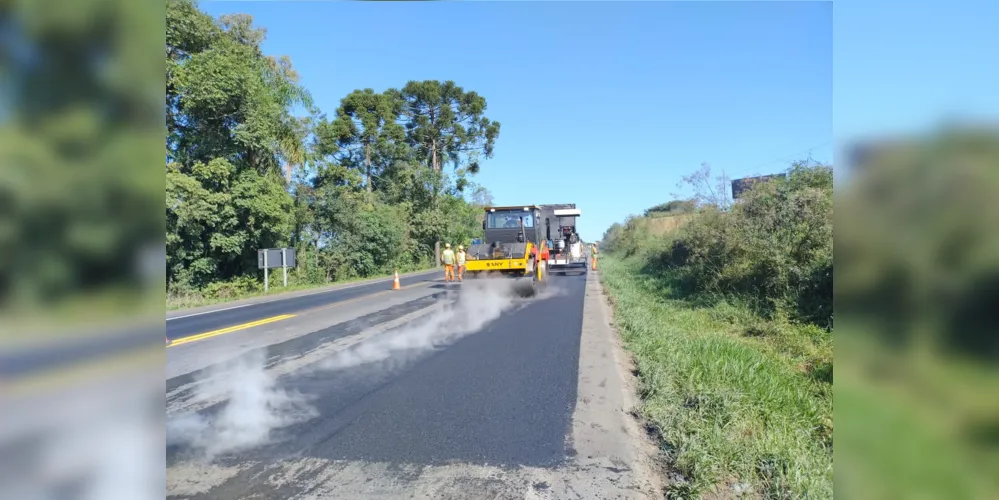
column 447, row 258
column 460, row 260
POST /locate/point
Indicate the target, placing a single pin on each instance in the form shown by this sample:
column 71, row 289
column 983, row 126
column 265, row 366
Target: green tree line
column 252, row 163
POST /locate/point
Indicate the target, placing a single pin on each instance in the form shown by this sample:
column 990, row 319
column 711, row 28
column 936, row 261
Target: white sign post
column 275, row 257
column 284, row 266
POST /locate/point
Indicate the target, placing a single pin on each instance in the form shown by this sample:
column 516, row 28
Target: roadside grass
column 177, row 301
column 742, row 406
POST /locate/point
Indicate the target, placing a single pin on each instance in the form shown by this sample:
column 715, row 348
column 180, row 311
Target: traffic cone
column 395, row 283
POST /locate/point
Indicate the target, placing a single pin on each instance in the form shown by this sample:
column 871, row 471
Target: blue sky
column 902, row 66
column 603, row 104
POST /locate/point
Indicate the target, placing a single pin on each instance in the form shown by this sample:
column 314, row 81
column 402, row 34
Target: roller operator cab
column 513, row 245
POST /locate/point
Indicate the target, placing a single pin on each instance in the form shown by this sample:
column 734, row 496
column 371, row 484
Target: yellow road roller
column 513, row 246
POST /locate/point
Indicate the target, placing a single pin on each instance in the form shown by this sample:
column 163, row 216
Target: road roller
column 513, row 246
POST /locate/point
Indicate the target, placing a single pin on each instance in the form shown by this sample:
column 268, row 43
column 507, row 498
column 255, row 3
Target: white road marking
column 383, row 280
column 212, row 311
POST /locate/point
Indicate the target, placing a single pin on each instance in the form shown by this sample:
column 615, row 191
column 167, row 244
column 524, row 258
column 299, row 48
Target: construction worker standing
column 460, row 256
column 447, row 258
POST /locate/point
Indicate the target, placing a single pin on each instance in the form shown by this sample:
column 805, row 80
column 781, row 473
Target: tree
column 366, row 129
column 708, row 191
column 445, row 123
column 229, row 130
column 357, row 194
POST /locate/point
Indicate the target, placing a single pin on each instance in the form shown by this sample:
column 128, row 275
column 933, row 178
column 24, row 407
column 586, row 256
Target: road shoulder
column 616, row 457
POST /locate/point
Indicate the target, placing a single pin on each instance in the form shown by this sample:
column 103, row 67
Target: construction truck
column 513, row 245
column 566, row 251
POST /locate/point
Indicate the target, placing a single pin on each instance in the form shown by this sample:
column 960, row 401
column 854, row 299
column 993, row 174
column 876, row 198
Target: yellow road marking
column 223, row 331
column 80, row 372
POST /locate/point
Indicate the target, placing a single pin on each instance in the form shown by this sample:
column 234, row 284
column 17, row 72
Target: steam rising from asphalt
column 252, row 407
column 480, row 302
column 252, row 404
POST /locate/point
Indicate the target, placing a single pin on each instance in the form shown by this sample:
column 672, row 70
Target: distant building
column 740, row 186
column 863, row 154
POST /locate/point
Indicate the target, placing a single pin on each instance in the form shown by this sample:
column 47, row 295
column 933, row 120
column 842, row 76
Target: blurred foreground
column 917, row 276
column 81, row 227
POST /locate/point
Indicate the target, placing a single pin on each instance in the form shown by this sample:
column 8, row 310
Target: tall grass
column 740, row 403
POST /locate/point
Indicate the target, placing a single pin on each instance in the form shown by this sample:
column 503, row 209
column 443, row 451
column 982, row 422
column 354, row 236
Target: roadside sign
column 273, row 258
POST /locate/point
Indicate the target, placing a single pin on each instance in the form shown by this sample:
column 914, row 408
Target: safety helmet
column 460, row 247
column 447, row 245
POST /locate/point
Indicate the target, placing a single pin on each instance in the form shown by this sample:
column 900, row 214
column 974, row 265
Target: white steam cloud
column 254, row 406
column 480, row 302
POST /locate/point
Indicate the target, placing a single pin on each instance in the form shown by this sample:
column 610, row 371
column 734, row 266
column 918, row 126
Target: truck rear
column 565, row 246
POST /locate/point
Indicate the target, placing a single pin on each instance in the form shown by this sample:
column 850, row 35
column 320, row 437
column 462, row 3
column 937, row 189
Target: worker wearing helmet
column 447, row 258
column 460, row 259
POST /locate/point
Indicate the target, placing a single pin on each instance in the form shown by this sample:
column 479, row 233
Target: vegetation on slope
column 359, row 193
column 730, row 317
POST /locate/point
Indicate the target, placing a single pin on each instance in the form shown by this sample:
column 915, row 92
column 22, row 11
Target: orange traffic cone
column 395, row 283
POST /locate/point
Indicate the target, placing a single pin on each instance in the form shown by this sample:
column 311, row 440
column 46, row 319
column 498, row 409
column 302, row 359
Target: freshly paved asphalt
column 301, row 345
column 502, row 396
column 185, row 326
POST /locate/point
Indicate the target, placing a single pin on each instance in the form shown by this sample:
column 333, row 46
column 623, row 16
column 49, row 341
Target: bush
column 236, row 287
column 772, row 250
column 673, row 207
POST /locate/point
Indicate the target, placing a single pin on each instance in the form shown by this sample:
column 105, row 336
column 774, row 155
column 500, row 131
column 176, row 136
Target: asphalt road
column 97, row 347
column 501, row 396
column 182, row 326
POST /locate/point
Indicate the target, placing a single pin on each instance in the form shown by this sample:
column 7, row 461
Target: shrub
column 673, row 207
column 233, row 288
column 772, row 250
